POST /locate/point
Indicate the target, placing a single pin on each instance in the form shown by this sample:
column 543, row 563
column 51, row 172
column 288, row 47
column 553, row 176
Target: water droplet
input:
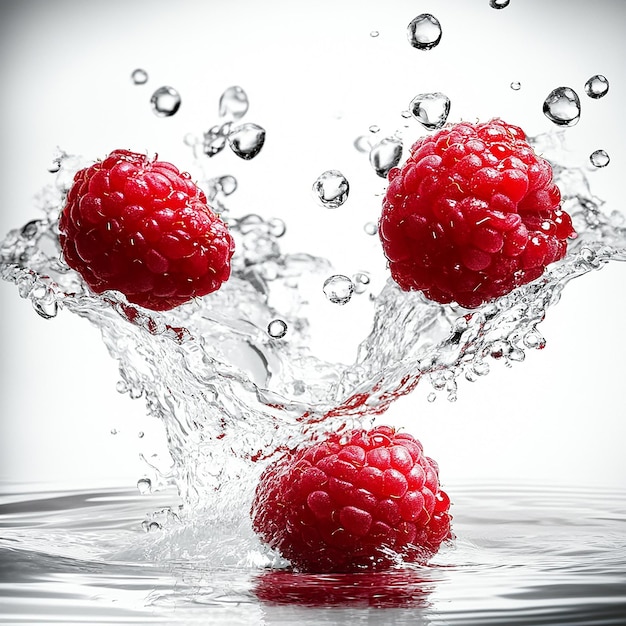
column 562, row 106
column 516, row 85
column 338, row 289
column 599, row 158
column 247, row 140
column 499, row 4
column 46, row 307
column 406, row 114
column 214, row 139
column 139, row 76
column 432, row 396
column 228, row 184
column 361, row 282
column 165, row 101
column 363, row 143
column 140, row 434
column 276, row 227
column 144, row 485
column 331, row 189
column 233, row 103
column 385, row 155
column 424, row 31
column 277, row 329
column 430, row 109
column 374, row 128
column 374, row 33
column 371, row 228
column 597, row 86
column 114, row 431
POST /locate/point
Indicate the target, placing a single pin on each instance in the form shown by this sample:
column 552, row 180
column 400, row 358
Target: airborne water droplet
column 374, row 33
column 516, row 85
column 363, row 143
column 165, row 101
column 228, row 184
column 599, row 158
column 144, row 485
column 361, row 282
column 277, row 329
column 499, row 4
column 430, row 109
column 338, row 289
column 233, row 103
column 385, row 155
column 247, row 140
column 424, row 31
column 331, row 189
column 370, row 228
column 139, row 76
column 562, row 106
column 597, row 86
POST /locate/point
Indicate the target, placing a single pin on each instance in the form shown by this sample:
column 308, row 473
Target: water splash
column 230, row 394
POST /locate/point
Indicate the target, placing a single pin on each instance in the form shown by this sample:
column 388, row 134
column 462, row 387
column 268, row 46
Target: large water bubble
column 431, row 110
column 385, row 155
column 246, row 140
column 562, row 106
column 424, row 31
column 597, row 86
column 165, row 101
column 233, row 103
column 331, row 189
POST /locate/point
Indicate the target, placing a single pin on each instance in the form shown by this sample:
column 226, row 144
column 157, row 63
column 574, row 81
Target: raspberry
column 353, row 503
column 141, row 227
column 472, row 214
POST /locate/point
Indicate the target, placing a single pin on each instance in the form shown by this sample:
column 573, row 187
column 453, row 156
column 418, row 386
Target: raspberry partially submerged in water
column 472, row 214
column 352, row 502
column 141, row 227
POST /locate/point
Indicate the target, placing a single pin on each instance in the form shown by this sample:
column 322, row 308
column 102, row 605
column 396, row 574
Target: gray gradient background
column 316, row 80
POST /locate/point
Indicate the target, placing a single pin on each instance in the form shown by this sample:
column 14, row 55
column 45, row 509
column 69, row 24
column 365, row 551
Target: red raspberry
column 352, row 502
column 472, row 214
column 141, row 227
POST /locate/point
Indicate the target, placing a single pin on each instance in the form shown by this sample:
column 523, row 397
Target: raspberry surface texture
column 355, row 502
column 472, row 214
column 140, row 226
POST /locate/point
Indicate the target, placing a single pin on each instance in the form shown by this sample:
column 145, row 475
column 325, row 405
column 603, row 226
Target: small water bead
column 371, row 228
column 114, row 431
column 432, row 396
column 562, row 106
column 424, row 31
column 385, row 155
column 374, row 33
column 516, row 85
column 247, row 140
column 141, row 434
column 597, row 86
column 599, row 158
column 233, row 103
column 499, row 4
column 431, row 110
column 276, row 227
column 374, row 128
column 361, row 282
column 227, row 184
column 331, row 189
column 139, row 76
column 363, row 143
column 165, row 101
column 144, row 485
column 338, row 289
column 277, row 329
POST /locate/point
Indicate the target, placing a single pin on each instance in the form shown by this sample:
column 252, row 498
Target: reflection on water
column 523, row 555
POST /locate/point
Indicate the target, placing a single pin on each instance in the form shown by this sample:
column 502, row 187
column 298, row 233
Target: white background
column 316, row 80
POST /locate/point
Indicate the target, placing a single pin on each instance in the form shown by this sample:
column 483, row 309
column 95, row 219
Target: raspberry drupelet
column 472, row 214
